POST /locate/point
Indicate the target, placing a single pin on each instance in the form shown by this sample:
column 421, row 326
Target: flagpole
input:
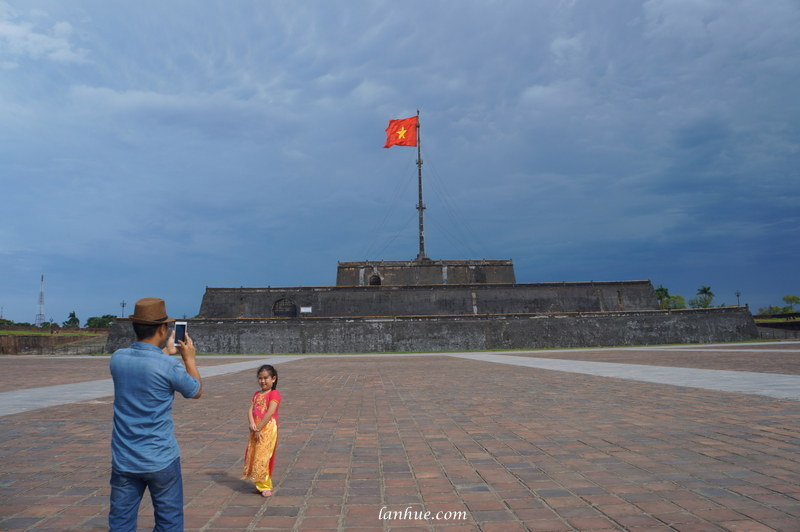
column 420, row 206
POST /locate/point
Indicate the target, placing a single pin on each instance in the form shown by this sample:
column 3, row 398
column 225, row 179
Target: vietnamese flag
column 402, row 132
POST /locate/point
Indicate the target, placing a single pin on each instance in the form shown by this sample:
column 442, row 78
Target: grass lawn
column 46, row 333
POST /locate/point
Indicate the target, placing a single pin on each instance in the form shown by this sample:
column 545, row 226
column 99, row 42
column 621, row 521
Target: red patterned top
column 261, row 403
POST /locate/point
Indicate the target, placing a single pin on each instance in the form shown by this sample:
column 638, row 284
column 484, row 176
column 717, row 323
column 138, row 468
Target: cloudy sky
column 155, row 148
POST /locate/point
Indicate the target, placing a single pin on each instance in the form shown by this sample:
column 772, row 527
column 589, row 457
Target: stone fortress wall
column 426, row 305
column 459, row 333
column 427, row 300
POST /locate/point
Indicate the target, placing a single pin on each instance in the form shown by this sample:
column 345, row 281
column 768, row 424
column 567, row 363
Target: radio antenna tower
column 40, row 317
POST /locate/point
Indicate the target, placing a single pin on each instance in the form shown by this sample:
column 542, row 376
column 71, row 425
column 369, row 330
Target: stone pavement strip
column 479, row 441
column 16, row 401
column 767, row 384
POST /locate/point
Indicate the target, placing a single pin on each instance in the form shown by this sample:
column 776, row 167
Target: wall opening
column 375, row 280
column 284, row 308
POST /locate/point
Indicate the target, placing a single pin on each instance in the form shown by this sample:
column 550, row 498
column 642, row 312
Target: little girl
column 259, row 459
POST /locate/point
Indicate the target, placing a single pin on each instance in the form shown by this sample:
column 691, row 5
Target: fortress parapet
column 425, row 272
column 427, row 300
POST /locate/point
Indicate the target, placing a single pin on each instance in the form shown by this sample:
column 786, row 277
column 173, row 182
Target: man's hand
column 170, row 348
column 185, row 347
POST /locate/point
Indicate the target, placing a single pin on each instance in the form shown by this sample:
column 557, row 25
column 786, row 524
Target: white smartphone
column 180, row 331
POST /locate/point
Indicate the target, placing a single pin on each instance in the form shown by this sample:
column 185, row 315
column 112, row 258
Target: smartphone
column 180, row 331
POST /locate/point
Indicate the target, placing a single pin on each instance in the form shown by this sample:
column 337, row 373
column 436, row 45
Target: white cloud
column 565, row 48
column 211, row 114
column 557, row 95
column 371, row 92
column 24, row 39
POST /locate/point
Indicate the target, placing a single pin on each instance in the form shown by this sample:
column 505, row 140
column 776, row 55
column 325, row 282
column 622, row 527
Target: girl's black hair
column 272, row 371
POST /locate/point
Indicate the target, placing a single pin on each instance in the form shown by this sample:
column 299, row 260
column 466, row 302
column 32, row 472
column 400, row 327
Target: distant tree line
column 703, row 299
column 772, row 310
column 72, row 322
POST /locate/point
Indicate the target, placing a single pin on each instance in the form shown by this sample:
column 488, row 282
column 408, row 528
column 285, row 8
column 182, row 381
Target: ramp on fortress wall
column 460, row 333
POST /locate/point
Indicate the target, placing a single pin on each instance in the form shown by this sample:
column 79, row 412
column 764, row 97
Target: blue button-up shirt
column 145, row 382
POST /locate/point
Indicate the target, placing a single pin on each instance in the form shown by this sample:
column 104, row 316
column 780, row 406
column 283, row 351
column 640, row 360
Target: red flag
column 402, row 132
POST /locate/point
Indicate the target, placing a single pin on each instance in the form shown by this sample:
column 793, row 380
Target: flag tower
column 405, row 132
column 420, row 206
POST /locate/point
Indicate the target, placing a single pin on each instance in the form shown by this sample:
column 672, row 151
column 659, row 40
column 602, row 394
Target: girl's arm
column 273, row 406
column 250, row 417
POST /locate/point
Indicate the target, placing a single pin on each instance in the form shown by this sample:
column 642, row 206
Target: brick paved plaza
column 370, row 442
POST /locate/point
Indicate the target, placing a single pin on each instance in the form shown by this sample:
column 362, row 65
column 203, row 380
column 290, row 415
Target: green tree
column 674, row 302
column 662, row 294
column 704, row 298
column 103, row 322
column 769, row 311
column 72, row 321
column 791, row 301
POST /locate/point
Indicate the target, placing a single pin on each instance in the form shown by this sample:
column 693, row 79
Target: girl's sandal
column 266, row 493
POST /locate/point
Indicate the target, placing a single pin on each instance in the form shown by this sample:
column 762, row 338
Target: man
column 144, row 451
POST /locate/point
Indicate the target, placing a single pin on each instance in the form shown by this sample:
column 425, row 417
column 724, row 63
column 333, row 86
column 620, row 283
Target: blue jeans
column 166, row 492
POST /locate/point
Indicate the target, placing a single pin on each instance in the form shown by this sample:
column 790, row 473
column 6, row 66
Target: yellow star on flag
column 402, row 133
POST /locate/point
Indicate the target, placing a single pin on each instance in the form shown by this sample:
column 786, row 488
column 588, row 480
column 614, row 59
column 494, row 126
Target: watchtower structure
column 40, row 316
column 424, row 272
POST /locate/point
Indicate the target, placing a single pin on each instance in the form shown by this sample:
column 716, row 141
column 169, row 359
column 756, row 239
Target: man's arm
column 186, row 349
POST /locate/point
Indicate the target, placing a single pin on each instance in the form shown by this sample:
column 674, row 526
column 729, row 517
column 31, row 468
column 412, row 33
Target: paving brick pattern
column 371, row 443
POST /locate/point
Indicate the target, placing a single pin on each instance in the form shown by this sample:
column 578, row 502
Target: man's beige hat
column 150, row 311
